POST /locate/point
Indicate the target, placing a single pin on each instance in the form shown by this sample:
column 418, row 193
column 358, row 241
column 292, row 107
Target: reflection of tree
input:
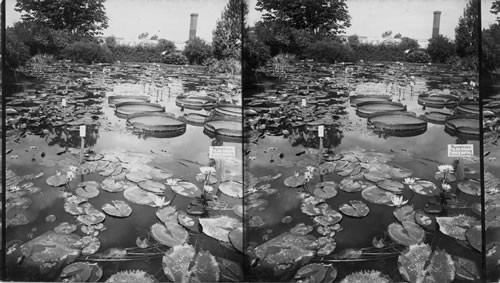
column 300, row 136
column 63, row 137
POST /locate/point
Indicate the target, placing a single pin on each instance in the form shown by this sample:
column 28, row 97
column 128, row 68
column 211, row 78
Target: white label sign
column 222, row 152
column 83, row 131
column 460, row 150
column 64, row 102
column 321, row 131
column 304, row 103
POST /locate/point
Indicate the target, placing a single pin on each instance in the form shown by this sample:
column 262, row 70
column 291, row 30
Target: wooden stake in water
column 83, row 132
column 64, row 107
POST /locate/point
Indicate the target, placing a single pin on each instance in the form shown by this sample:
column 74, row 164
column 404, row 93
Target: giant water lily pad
column 407, row 233
column 187, row 189
column 420, row 264
column 295, row 181
column 232, row 189
column 152, row 186
column 236, row 238
column 355, row 208
column 117, row 208
column 131, row 276
column 376, row 195
column 391, row 186
column 470, row 187
column 219, row 227
column 366, row 276
column 326, row 190
column 171, row 234
column 89, row 189
column 57, row 180
column 456, row 226
column 425, row 188
column 139, row 196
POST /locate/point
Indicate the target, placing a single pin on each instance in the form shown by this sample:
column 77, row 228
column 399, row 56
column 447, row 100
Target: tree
column 398, row 35
column 387, row 33
column 143, row 35
column 353, row 40
column 408, row 43
column 495, row 8
column 197, row 51
column 440, row 49
column 467, row 31
column 328, row 17
column 79, row 17
column 226, row 39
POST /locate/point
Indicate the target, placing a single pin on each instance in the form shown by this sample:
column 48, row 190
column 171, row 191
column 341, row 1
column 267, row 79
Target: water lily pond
column 141, row 200
column 376, row 198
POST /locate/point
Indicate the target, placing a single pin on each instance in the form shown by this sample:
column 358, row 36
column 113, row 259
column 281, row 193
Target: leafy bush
column 228, row 65
column 88, row 52
column 441, row 49
column 42, row 59
column 329, row 51
column 255, row 54
column 16, row 52
column 418, row 56
column 174, row 58
column 197, row 51
column 142, row 53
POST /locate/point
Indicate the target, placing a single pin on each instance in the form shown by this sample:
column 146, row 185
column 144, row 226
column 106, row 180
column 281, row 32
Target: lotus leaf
column 152, row 186
column 405, row 213
column 309, row 207
column 159, row 173
column 219, row 227
column 187, row 189
column 366, row 276
column 466, row 269
column 138, row 176
column 425, row 188
column 176, row 262
column 376, row 195
column 350, row 186
column 419, row 264
column 295, row 181
column 327, row 167
column 89, row 189
column 326, row 190
column 407, row 234
column 171, row 234
column 131, row 276
column 347, row 170
column 65, row 228
column 400, row 172
column 301, row 229
column 474, row 237
column 470, row 187
column 355, row 208
column 118, row 208
column 17, row 217
column 111, row 185
column 376, row 176
column 391, row 186
column 57, row 180
column 236, row 238
column 238, row 210
column 232, row 189
column 73, row 208
column 139, row 196
column 167, row 214
column 456, row 226
column 92, row 216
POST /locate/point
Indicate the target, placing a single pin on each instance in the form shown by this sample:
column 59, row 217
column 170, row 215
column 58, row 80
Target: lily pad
column 456, row 226
column 80, row 272
column 474, row 237
column 327, row 246
column 405, row 213
column 470, row 187
column 89, row 189
column 187, row 221
column 309, row 205
column 219, row 227
column 425, row 188
column 355, row 208
column 326, row 190
column 232, row 189
column 152, row 186
column 366, row 276
column 139, row 196
column 295, row 181
column 187, row 189
column 376, row 195
column 236, row 238
column 408, row 233
column 167, row 214
column 65, row 228
column 57, row 180
column 90, row 245
column 176, row 262
column 118, row 208
column 138, row 176
column 131, row 276
column 316, row 272
column 171, row 234
column 466, row 269
column 424, row 219
column 301, row 229
column 391, row 186
column 206, row 268
column 111, row 185
column 92, row 216
column 420, row 264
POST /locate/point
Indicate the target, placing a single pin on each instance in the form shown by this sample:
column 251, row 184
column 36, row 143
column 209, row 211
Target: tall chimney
column 435, row 24
column 192, row 26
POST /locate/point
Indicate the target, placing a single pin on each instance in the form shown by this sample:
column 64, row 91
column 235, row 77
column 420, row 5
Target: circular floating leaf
column 171, row 234
column 219, row 227
column 327, row 246
column 456, row 226
column 118, row 208
column 313, row 272
column 92, row 216
column 391, row 186
column 470, row 187
column 131, row 276
column 466, row 269
column 110, row 185
column 176, row 262
column 407, row 234
column 355, row 208
column 405, row 213
column 376, row 176
column 187, row 189
column 326, row 190
column 295, row 181
column 138, row 176
column 350, row 186
column 376, row 195
column 474, row 237
column 419, row 264
column 236, row 238
column 89, row 189
column 425, row 188
column 139, row 196
column 187, row 221
column 232, row 189
column 57, row 180
column 309, row 207
column 301, row 229
column 206, row 268
column 152, row 186
column 424, row 220
column 77, row 272
column 65, row 228
column 366, row 276
column 167, row 214
column 90, row 245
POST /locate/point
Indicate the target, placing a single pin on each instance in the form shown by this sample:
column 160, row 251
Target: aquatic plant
column 398, row 201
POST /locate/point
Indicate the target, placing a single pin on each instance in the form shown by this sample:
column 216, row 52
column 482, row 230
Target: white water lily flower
column 308, row 176
column 72, row 168
column 296, row 174
column 14, row 189
column 409, row 181
column 446, row 168
column 310, row 169
column 398, row 201
column 208, row 188
column 207, row 170
column 446, row 187
column 159, row 202
column 172, row 182
column 70, row 175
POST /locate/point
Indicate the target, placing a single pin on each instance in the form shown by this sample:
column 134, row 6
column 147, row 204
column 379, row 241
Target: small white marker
column 83, row 131
column 304, row 102
column 321, row 131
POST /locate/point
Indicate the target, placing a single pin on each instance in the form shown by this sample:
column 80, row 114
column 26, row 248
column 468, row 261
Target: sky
column 412, row 18
column 169, row 19
column 487, row 18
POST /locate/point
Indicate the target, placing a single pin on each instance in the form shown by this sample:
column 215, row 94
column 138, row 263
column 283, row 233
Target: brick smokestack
column 435, row 24
column 192, row 26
